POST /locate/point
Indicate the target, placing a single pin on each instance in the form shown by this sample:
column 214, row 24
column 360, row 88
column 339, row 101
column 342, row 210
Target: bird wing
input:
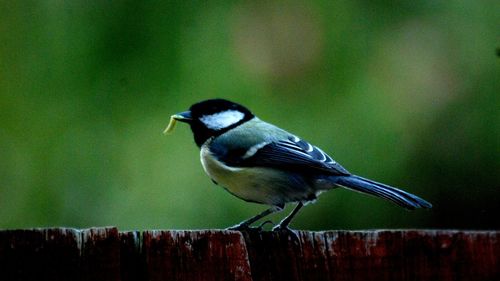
column 293, row 154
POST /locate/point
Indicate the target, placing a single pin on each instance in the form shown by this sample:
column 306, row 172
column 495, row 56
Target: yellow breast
column 243, row 182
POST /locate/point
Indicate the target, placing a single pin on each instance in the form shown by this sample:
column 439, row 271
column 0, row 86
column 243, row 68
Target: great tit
column 259, row 162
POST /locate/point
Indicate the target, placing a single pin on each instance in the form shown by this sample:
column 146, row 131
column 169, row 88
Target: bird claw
column 286, row 230
column 264, row 223
column 246, row 227
column 239, row 227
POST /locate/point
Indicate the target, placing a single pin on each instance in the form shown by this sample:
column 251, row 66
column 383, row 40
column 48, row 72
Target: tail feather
column 398, row 196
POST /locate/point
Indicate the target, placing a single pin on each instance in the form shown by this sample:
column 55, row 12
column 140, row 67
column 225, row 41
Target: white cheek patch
column 222, row 119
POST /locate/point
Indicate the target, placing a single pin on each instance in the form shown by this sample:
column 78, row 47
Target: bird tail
column 398, row 196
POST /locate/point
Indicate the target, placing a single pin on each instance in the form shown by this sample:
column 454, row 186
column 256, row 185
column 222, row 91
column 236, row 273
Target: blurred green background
column 404, row 92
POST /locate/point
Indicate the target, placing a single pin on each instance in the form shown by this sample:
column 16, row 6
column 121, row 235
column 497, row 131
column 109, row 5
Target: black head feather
column 214, row 117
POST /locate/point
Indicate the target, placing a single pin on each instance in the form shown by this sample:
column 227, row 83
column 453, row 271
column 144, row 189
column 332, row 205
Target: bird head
column 211, row 118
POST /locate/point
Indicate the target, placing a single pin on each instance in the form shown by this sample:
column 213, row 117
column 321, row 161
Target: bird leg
column 283, row 225
column 246, row 223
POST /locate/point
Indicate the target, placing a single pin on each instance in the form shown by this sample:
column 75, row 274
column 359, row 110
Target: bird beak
column 182, row 117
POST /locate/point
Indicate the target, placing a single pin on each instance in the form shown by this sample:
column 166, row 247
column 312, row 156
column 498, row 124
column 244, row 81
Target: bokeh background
column 404, row 92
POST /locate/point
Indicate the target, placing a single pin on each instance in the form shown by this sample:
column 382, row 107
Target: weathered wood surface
column 107, row 254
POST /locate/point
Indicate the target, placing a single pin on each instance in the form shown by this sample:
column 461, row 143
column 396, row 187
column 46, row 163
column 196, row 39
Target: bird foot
column 246, row 227
column 286, row 230
column 239, row 227
column 264, row 223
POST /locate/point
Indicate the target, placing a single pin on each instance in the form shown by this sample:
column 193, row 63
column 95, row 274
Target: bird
column 259, row 162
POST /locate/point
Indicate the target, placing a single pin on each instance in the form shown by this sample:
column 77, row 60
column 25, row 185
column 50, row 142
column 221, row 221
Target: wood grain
column 107, row 254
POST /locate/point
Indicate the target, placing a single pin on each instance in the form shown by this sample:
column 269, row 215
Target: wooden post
column 107, row 254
